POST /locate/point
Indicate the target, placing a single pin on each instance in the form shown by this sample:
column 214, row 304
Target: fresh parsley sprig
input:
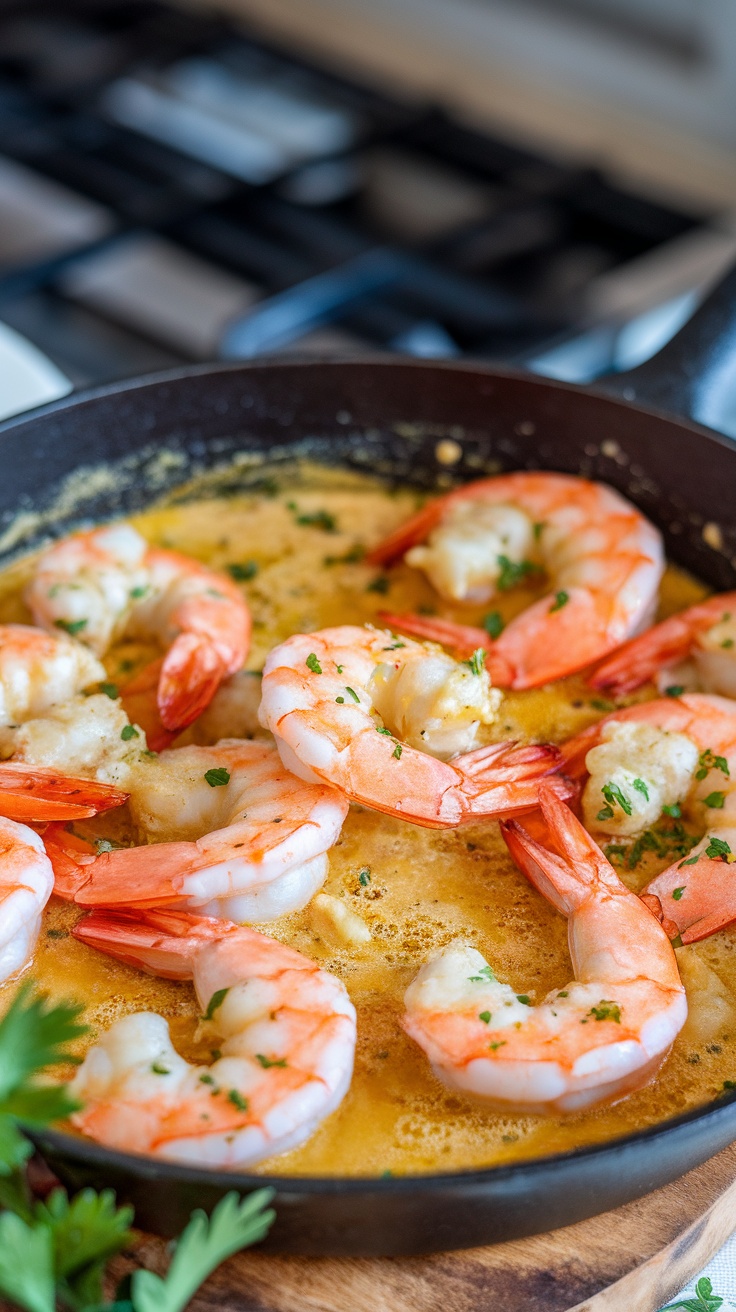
column 55, row 1252
column 705, row 1300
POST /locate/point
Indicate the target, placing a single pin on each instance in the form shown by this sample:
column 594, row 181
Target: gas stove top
column 173, row 189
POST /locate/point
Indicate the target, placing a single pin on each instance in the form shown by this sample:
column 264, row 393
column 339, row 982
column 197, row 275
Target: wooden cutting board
column 630, row 1260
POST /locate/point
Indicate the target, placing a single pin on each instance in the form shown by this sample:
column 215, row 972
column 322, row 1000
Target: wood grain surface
column 631, row 1260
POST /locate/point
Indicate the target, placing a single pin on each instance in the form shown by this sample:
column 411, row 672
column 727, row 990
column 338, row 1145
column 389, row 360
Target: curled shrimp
column 601, row 1036
column 284, row 1027
column 251, row 840
column 26, row 883
column 52, row 732
column 108, row 582
column 695, row 649
column 677, row 754
column 603, row 558
column 358, row 709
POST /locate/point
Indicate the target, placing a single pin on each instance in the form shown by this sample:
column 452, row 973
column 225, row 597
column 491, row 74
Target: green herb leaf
column 72, row 627
column 351, row 557
column 605, row 813
column 139, row 591
column 34, row 1036
column 477, row 661
column 318, row 519
column 512, row 572
column 398, row 749
column 641, row 787
column 313, row 664
column 705, row 1300
column 26, row 1264
column 485, row 975
column 86, row 1232
column 493, row 624
column 217, row 777
column 268, row 1062
column 675, row 690
column 353, row 694
column 364, row 877
column 215, row 1001
column 237, row 1100
column 606, row 1010
column 110, row 690
column 234, row 1224
column 501, row 1043
column 129, row 731
column 715, row 801
column 561, row 599
column 524, row 997
column 691, row 861
column 242, row 573
column 613, row 795
column 380, row 584
column 718, row 849
column 674, row 810
column 677, row 893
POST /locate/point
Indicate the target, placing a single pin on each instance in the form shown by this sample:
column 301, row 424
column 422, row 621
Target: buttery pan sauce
column 298, row 543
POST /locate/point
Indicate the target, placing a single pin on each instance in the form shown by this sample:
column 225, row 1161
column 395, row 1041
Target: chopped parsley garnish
column 537, row 530
column 524, row 997
column 313, row 519
column 398, row 749
column 364, row 876
column 110, row 690
column 674, row 690
column 709, row 761
column 393, row 647
column 206, row 1079
column 129, row 731
column 606, row 1010
column 380, row 584
column 678, row 892
column 477, row 661
column 729, row 1084
column 718, row 850
column 217, row 777
column 641, row 787
column 561, row 599
column 673, row 810
column 158, row 1069
column 691, row 861
column 500, row 1043
column 312, row 663
column 106, row 845
column 666, row 841
column 512, row 572
column 715, row 801
column 267, row 1062
column 727, row 643
column 241, row 573
column 72, row 627
column 353, row 694
column 237, row 1100
column 485, row 975
column 614, row 797
column 493, row 624
column 380, row 728
column 485, row 1016
column 139, row 591
column 599, row 704
column 340, row 701
column 351, row 557
column 215, row 1001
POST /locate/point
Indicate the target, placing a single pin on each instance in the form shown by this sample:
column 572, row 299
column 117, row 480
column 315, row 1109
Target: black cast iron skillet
column 387, row 416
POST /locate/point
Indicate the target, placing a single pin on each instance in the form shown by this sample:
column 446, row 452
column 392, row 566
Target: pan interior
column 301, row 525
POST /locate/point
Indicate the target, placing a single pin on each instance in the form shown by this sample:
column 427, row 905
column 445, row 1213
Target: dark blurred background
column 549, row 183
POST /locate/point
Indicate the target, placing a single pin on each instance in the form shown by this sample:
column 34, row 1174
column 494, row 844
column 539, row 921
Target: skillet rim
column 89, row 1153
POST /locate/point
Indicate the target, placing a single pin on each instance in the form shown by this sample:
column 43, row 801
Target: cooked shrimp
column 676, row 755
column 695, row 649
column 26, row 883
column 285, row 1029
column 108, row 582
column 356, row 708
column 53, row 732
column 601, row 1036
column 250, row 839
column 602, row 557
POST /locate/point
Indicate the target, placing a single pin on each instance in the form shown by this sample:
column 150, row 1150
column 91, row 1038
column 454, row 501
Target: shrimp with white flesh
column 695, row 650
column 372, row 715
column 54, row 734
column 284, row 1027
column 26, row 884
column 601, row 1036
column 677, row 756
column 603, row 560
column 250, row 840
column 109, row 582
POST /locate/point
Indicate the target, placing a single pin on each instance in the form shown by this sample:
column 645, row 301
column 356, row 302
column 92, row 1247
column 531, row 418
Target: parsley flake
column 678, row 892
column 641, row 787
column 217, row 777
column 485, row 975
column 477, row 661
column 524, row 997
column 237, row 1100
column 715, row 801
column 72, row 627
column 613, row 795
column 364, row 876
column 718, row 849
column 673, row 810
column 485, row 1016
column 512, row 572
column 312, row 663
column 268, row 1062
column 674, row 690
column 241, row 573
column 215, row 1002
column 110, row 690
column 493, row 624
column 606, row 1010
column 129, row 731
column 380, row 584
column 353, row 694
column 561, row 599
column 398, row 749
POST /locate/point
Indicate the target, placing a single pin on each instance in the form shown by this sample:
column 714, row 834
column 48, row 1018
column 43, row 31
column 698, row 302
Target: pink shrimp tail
column 163, row 943
column 462, row 640
column 27, row 793
column 641, row 659
column 505, row 778
column 136, row 877
column 557, row 868
column 407, row 534
column 70, row 858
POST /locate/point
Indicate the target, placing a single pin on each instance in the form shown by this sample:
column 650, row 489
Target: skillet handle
column 694, row 375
